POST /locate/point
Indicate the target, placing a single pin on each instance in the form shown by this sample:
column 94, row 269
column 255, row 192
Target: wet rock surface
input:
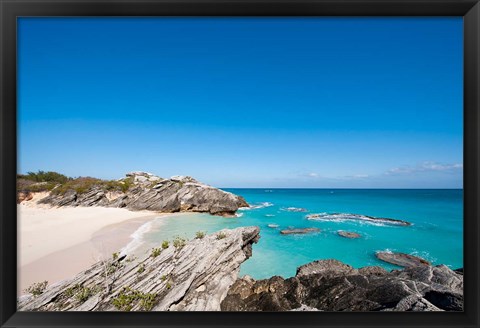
column 348, row 234
column 401, row 259
column 299, row 231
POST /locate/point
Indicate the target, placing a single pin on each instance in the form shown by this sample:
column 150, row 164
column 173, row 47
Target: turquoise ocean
column 436, row 233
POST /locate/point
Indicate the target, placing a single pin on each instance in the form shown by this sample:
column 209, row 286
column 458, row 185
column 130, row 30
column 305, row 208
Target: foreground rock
column 301, row 231
column 401, row 259
column 356, row 217
column 145, row 191
column 330, row 285
column 191, row 277
column 348, row 234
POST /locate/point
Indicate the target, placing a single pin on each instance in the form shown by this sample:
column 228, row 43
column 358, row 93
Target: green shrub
column 221, row 235
column 179, row 242
column 37, row 288
column 163, row 277
column 128, row 298
column 200, row 235
column 141, row 268
column 165, row 244
column 155, row 252
column 83, row 294
column 148, row 301
column 42, row 176
column 115, row 256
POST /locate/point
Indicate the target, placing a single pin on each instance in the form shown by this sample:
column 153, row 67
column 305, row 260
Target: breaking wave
column 256, row 206
column 342, row 217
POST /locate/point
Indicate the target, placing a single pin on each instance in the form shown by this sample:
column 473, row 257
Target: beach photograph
column 240, row 164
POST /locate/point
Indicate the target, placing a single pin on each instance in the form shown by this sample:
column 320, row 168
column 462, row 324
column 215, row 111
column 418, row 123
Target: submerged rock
column 191, row 276
column 330, row 285
column 299, row 231
column 348, row 234
column 294, row 209
column 401, row 259
column 144, row 191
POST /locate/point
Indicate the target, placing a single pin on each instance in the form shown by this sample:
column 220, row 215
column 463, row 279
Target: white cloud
column 425, row 167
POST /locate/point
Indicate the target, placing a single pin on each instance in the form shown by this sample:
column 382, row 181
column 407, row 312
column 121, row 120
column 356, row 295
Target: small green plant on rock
column 83, row 294
column 141, row 268
column 155, row 252
column 179, row 242
column 200, row 235
column 115, row 256
column 128, row 298
column 165, row 244
column 221, row 235
column 37, row 288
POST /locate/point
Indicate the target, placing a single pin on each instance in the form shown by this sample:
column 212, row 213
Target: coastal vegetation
column 59, row 183
column 37, row 288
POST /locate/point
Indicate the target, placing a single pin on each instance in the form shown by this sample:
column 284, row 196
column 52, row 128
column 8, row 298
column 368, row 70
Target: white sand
column 56, row 243
column 44, row 231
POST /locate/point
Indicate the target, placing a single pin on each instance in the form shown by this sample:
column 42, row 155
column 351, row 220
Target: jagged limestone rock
column 330, row 285
column 149, row 192
column 193, row 276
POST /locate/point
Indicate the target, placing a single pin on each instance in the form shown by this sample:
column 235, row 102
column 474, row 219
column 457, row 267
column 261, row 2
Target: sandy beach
column 56, row 243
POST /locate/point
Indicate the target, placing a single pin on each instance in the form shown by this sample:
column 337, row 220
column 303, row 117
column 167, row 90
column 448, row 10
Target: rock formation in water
column 185, row 276
column 348, row 234
column 299, row 231
column 401, row 259
column 144, row 191
column 330, row 285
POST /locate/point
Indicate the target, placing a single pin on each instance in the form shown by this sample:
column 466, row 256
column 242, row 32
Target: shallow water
column 436, row 233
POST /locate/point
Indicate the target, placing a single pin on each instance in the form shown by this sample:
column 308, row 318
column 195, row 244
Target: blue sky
column 245, row 102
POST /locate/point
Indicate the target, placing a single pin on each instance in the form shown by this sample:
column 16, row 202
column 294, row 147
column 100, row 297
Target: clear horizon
column 327, row 103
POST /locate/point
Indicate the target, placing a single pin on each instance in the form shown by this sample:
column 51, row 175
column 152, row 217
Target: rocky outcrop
column 348, row 234
column 145, row 191
column 330, row 285
column 356, row 217
column 186, row 276
column 401, row 259
column 299, row 231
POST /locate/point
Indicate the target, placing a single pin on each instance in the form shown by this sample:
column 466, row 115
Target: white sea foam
column 269, row 215
column 256, row 206
column 239, row 215
column 137, row 238
column 361, row 219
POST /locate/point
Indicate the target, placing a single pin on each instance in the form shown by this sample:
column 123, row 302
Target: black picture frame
column 10, row 10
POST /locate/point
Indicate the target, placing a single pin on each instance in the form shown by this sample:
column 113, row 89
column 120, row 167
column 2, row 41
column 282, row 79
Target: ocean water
column 436, row 233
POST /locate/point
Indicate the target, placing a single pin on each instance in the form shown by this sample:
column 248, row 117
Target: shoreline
column 55, row 244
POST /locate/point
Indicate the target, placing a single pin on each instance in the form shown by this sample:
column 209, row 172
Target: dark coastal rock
column 401, row 259
column 348, row 234
column 149, row 192
column 356, row 217
column 299, row 231
column 330, row 285
column 195, row 276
